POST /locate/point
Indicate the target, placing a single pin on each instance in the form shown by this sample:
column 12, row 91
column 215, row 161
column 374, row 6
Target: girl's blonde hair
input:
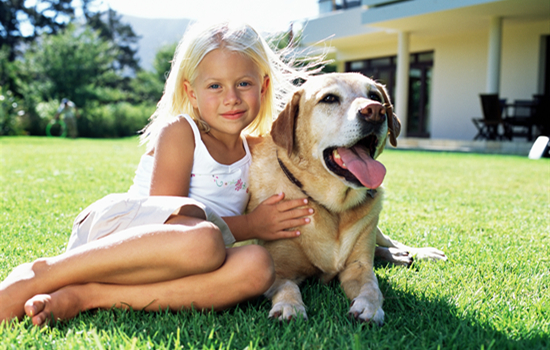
column 196, row 43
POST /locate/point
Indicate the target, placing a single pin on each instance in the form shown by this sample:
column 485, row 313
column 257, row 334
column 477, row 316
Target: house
column 437, row 56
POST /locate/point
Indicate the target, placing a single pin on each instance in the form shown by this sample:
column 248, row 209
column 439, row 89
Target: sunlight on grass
column 490, row 214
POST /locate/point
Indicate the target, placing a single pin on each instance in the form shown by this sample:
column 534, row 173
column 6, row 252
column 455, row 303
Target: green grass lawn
column 490, row 214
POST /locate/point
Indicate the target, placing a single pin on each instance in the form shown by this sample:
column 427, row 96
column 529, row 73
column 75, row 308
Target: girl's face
column 227, row 92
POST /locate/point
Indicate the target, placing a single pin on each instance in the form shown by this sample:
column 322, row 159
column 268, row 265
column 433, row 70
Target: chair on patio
column 521, row 118
column 488, row 126
column 542, row 114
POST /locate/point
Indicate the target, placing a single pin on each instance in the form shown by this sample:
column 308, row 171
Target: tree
column 45, row 16
column 74, row 64
column 149, row 85
column 111, row 28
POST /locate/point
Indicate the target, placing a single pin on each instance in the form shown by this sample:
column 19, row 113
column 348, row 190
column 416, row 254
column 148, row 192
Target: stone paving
column 519, row 147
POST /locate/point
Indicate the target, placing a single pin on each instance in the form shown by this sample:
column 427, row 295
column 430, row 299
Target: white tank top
column 222, row 188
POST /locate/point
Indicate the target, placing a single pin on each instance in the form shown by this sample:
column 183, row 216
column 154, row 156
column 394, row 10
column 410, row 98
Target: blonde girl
column 163, row 244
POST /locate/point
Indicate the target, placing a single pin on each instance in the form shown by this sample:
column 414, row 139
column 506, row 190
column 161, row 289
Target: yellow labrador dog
column 324, row 146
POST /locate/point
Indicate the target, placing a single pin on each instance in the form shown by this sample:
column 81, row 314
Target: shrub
column 113, row 120
column 11, row 113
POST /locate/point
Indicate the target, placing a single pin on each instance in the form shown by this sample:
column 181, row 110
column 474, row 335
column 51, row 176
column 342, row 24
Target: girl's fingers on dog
column 300, row 213
column 291, row 204
column 288, row 234
column 275, row 198
column 295, row 223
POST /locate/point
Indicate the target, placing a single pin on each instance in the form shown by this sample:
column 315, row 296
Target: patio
column 519, row 147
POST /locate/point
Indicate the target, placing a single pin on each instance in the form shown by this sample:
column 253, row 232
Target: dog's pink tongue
column 367, row 170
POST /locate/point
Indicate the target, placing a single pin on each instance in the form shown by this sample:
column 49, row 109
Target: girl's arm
column 271, row 219
column 173, row 160
column 172, row 174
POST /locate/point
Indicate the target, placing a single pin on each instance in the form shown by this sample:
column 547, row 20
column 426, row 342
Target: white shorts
column 120, row 211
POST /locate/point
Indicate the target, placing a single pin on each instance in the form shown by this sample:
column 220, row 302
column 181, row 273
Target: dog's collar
column 291, row 177
column 371, row 193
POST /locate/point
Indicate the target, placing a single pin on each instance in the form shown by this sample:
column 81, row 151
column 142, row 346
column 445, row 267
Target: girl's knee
column 258, row 270
column 212, row 246
column 199, row 243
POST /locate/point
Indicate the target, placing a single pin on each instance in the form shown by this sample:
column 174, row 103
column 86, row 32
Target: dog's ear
column 394, row 125
column 283, row 127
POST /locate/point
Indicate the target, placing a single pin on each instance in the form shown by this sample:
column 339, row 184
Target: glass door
column 383, row 70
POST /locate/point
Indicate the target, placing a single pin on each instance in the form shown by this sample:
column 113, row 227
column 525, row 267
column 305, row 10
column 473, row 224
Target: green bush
column 113, row 120
column 46, row 110
column 11, row 113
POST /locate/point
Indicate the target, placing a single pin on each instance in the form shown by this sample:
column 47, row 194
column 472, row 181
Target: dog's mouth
column 356, row 164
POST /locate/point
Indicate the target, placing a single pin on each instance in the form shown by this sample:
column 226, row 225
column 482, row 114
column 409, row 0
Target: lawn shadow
column 412, row 321
column 415, row 321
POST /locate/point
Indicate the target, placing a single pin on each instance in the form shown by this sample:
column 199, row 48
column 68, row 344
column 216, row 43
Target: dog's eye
column 330, row 98
column 375, row 97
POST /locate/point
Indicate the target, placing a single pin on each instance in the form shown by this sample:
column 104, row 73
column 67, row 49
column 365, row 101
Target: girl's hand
column 270, row 220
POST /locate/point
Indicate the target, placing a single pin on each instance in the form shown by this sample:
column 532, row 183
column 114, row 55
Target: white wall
column 336, row 24
column 458, row 78
column 520, row 73
column 365, row 50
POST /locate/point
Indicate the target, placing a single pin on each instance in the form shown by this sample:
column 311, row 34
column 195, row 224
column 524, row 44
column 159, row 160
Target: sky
column 264, row 15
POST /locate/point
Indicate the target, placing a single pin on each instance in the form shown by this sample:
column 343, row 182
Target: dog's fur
column 328, row 112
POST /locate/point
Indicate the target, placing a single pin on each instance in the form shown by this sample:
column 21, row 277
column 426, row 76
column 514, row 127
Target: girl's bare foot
column 15, row 290
column 63, row 304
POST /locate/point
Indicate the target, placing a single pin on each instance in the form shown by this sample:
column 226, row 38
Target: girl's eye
column 244, row 84
column 214, row 86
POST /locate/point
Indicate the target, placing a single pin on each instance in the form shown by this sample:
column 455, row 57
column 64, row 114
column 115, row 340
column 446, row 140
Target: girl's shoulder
column 177, row 134
column 178, row 126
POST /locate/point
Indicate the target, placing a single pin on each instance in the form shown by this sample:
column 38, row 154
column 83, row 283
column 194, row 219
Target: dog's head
column 342, row 120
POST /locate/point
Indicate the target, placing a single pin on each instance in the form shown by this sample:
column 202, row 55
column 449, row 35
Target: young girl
column 162, row 244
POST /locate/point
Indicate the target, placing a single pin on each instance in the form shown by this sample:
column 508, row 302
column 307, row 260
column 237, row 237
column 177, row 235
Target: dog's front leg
column 361, row 286
column 359, row 281
column 287, row 300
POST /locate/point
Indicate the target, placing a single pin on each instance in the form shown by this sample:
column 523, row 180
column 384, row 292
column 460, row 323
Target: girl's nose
column 232, row 97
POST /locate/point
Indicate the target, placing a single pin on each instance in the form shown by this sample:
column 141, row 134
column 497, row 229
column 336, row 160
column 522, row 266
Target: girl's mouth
column 233, row 114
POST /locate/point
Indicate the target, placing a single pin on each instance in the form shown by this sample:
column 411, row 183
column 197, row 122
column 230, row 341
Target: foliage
column 8, row 70
column 285, row 39
column 289, row 44
column 10, row 113
column 110, row 28
column 149, row 85
column 91, row 64
column 45, row 16
column 118, row 119
column 491, row 221
column 76, row 64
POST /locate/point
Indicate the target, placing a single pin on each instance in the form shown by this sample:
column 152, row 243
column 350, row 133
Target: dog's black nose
column 373, row 112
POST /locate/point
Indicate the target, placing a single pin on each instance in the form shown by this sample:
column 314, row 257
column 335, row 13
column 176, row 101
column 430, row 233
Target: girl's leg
column 141, row 255
column 247, row 272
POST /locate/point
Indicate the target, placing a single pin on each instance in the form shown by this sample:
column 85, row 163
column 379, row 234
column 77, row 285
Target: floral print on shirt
column 239, row 184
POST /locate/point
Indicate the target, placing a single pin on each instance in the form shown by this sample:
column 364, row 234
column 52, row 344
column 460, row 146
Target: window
column 383, row 70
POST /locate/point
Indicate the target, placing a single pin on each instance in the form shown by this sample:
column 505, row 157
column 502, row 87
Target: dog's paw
column 400, row 257
column 364, row 311
column 287, row 311
column 428, row 254
column 396, row 256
